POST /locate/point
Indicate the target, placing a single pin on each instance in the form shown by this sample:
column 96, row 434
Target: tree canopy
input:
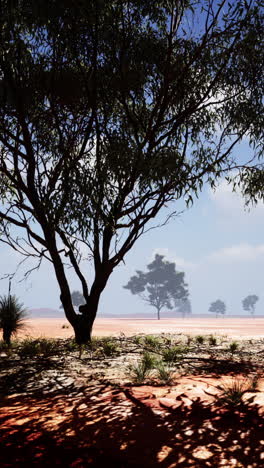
column 111, row 111
column 218, row 307
column 161, row 286
column 249, row 303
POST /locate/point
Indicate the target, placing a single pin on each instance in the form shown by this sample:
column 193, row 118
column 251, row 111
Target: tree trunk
column 83, row 328
column 158, row 313
column 7, row 337
column 84, row 320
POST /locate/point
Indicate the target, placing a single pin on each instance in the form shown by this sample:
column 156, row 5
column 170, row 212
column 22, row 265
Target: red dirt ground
column 134, row 427
column 179, row 426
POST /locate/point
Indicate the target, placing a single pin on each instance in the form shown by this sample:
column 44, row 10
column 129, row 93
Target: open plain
column 248, row 327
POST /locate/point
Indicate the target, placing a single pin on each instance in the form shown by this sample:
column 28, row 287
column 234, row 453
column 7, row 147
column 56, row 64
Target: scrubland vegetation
column 31, row 364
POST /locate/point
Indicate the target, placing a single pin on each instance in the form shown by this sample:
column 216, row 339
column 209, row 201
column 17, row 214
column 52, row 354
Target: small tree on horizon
column 184, row 307
column 249, row 303
column 77, row 299
column 218, row 307
column 161, row 286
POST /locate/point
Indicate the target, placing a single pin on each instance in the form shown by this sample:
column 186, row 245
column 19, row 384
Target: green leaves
column 110, row 111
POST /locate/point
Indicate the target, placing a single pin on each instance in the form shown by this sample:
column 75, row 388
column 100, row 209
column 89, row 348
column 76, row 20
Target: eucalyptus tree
column 249, row 303
column 184, row 307
column 218, row 307
column 111, row 111
column 161, row 286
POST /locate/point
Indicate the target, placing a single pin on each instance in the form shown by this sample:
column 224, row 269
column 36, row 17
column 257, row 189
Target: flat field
column 232, row 327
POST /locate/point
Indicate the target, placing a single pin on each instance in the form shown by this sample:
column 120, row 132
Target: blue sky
column 217, row 242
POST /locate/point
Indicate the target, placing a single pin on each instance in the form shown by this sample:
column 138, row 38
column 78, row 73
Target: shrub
column 199, row 339
column 232, row 392
column 139, row 372
column 94, row 344
column 65, row 326
column 70, row 345
column 212, row 340
column 109, row 347
column 148, row 360
column 164, row 373
column 12, row 317
column 138, row 340
column 233, row 347
column 41, row 346
column 152, row 341
column 174, row 353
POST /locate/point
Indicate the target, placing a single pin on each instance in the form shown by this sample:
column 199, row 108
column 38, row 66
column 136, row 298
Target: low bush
column 199, row 339
column 70, row 345
column 173, row 354
column 152, row 341
column 149, row 360
column 139, row 372
column 164, row 373
column 232, row 392
column 233, row 347
column 212, row 340
column 138, row 340
column 109, row 347
column 39, row 347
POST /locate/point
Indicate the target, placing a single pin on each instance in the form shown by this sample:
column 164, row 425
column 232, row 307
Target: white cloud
column 236, row 253
column 231, row 205
column 181, row 263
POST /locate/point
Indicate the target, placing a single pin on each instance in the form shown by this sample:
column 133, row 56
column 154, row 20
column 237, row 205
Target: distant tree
column 249, row 303
column 160, row 286
column 218, row 307
column 77, row 299
column 184, row 307
column 12, row 317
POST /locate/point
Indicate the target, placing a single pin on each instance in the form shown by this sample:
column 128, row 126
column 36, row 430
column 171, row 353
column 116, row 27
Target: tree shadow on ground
column 113, row 428
column 18, row 376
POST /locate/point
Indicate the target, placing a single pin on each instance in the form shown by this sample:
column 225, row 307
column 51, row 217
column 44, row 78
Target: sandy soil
column 62, row 410
column 235, row 327
column 137, row 427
